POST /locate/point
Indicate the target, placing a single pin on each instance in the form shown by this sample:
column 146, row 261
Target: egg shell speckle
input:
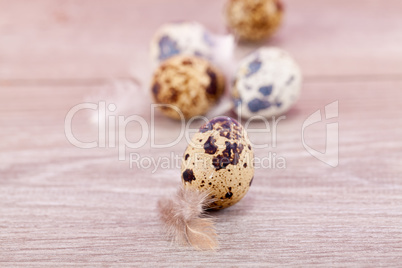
column 267, row 83
column 253, row 20
column 189, row 83
column 219, row 159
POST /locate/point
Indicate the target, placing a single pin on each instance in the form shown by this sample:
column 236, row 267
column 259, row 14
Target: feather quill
column 185, row 220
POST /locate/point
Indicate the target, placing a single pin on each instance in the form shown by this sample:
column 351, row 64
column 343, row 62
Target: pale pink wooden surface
column 63, row 205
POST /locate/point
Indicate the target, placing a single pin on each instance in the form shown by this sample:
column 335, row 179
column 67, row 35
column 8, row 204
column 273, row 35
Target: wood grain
column 62, row 205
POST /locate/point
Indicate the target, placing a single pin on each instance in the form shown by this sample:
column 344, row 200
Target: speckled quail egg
column 253, row 19
column 267, row 83
column 219, row 160
column 186, row 85
column 189, row 38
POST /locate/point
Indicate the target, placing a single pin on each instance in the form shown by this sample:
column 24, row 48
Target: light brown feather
column 185, row 221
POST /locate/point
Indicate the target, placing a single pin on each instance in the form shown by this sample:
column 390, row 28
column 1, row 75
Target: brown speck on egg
column 212, row 88
column 210, row 146
column 251, row 181
column 187, row 62
column 188, row 175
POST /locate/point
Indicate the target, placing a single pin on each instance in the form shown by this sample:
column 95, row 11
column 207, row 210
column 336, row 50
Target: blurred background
column 50, row 40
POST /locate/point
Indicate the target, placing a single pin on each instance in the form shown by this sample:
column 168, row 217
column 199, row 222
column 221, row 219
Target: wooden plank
column 64, row 205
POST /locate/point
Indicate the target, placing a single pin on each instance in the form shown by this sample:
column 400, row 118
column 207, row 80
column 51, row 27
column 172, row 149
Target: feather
column 185, row 220
column 127, row 95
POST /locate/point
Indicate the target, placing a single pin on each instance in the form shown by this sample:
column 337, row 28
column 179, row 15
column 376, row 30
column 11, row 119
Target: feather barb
column 185, row 220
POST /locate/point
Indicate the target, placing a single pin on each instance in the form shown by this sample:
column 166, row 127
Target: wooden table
column 63, row 205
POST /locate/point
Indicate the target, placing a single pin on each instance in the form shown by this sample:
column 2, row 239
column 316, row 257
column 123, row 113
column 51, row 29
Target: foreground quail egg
column 189, row 38
column 186, row 86
column 267, row 83
column 219, row 159
column 254, row 19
